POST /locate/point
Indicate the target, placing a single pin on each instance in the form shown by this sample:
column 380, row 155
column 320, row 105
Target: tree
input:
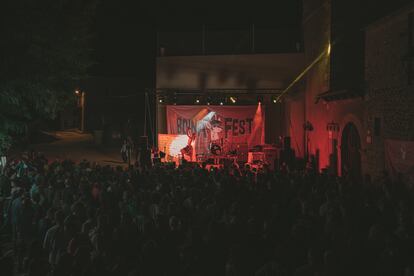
column 44, row 52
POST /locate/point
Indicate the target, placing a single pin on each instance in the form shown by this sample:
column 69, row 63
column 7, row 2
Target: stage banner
column 400, row 158
column 227, row 126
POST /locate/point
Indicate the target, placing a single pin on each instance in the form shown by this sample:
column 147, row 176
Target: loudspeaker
column 286, row 143
column 288, row 156
column 333, row 158
column 145, row 157
column 142, row 142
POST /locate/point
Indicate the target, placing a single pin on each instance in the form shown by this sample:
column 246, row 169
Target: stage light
column 303, row 73
column 77, row 92
column 160, row 100
column 233, row 99
column 208, row 103
column 197, row 101
column 221, row 103
column 274, row 101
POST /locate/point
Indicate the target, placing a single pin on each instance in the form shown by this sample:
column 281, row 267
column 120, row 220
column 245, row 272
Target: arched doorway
column 350, row 151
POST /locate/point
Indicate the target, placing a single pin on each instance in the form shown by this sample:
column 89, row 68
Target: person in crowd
column 55, row 241
column 124, row 151
column 86, row 219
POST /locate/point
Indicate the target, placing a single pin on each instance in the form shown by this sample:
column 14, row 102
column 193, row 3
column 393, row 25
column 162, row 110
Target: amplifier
column 256, row 156
column 242, row 151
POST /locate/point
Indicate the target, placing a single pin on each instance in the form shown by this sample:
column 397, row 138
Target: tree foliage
column 44, row 52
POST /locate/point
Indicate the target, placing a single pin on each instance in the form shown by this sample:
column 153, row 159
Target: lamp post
column 81, row 103
column 333, row 131
column 307, row 126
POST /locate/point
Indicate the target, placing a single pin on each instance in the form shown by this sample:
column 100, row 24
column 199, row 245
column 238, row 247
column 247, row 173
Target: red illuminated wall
column 295, row 118
column 304, row 107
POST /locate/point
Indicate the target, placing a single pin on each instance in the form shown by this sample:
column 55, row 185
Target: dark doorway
column 350, row 152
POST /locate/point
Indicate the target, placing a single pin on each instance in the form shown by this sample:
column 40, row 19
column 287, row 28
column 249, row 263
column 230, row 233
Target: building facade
column 350, row 90
column 358, row 91
column 389, row 67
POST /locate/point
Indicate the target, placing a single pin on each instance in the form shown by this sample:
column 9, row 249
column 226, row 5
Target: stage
column 217, row 136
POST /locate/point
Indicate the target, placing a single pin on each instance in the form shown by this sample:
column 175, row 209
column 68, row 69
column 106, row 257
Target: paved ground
column 76, row 146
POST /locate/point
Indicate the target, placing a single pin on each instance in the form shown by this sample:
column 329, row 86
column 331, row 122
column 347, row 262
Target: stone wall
column 389, row 97
column 389, row 94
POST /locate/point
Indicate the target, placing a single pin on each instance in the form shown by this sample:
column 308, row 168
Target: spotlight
column 197, row 101
column 274, row 101
column 221, row 103
column 208, row 103
column 77, row 92
column 160, row 100
column 233, row 99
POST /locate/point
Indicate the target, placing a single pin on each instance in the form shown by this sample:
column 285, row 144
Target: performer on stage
column 215, row 128
column 155, row 156
column 188, row 151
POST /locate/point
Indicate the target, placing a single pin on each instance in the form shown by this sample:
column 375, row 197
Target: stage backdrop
column 229, row 126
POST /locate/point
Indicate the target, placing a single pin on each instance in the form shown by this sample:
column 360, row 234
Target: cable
column 150, row 118
column 145, row 118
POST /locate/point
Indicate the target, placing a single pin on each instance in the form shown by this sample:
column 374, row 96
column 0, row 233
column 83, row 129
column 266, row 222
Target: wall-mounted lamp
column 308, row 126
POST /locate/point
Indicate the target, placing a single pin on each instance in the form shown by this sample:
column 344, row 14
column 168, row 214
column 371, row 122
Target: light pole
column 81, row 103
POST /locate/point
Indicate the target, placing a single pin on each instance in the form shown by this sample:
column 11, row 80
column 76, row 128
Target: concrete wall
column 257, row 71
column 228, row 71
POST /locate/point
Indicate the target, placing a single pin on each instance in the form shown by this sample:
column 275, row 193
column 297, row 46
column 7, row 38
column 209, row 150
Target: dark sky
column 125, row 41
column 126, row 30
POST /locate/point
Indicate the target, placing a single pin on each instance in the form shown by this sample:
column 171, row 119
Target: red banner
column 400, row 158
column 227, row 126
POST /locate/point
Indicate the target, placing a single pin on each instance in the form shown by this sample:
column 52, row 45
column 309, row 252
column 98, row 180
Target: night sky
column 125, row 35
column 125, row 38
column 125, row 31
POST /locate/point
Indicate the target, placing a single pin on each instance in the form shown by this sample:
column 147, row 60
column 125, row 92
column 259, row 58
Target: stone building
column 358, row 90
column 347, row 93
column 389, row 76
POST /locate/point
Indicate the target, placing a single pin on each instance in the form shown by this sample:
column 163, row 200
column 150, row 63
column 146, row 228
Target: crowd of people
column 62, row 218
